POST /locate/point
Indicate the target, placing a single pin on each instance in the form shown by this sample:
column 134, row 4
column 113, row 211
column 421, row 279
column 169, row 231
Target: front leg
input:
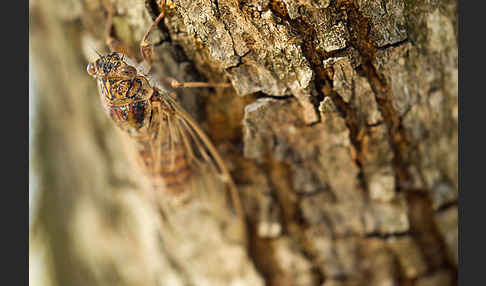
column 145, row 46
column 113, row 44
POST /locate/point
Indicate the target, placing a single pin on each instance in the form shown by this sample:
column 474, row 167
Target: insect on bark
column 172, row 148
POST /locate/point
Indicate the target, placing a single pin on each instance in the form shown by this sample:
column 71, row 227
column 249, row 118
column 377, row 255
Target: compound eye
column 91, row 69
column 129, row 71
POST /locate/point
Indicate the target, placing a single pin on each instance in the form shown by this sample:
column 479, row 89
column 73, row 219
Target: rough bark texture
column 340, row 132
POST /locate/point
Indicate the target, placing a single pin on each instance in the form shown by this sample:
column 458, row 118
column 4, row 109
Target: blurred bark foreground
column 340, row 132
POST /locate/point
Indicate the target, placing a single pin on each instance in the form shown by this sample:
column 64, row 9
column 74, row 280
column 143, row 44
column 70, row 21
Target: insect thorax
column 133, row 118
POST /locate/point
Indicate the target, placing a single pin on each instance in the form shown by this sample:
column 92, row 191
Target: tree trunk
column 340, row 132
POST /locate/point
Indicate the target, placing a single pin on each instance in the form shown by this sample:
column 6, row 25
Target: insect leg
column 113, row 44
column 109, row 24
column 145, row 46
column 176, row 84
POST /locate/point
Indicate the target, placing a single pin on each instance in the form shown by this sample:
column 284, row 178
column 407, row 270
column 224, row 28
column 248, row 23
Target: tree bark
column 340, row 132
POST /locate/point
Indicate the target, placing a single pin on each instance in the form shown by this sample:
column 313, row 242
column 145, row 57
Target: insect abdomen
column 171, row 176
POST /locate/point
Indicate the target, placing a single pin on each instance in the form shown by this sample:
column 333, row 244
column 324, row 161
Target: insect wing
column 178, row 131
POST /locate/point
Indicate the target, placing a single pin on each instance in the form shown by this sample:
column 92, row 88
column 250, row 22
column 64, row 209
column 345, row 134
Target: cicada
column 172, row 148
